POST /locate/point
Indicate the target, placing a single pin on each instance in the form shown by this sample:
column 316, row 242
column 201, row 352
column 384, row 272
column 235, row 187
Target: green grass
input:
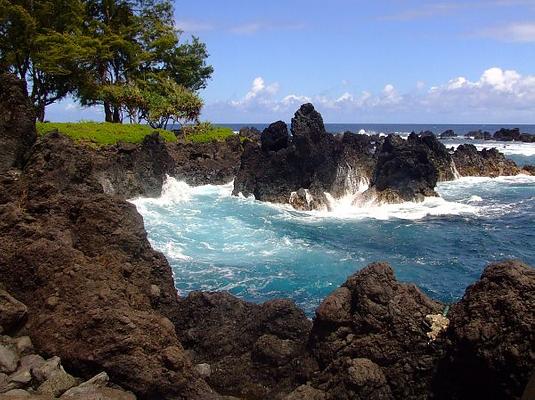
column 106, row 133
column 215, row 133
column 103, row 134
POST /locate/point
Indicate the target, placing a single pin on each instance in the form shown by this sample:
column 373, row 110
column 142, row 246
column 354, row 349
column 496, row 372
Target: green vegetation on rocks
column 106, row 133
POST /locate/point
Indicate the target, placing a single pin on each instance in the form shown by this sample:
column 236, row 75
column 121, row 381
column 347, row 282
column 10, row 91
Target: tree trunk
column 40, row 112
column 116, row 115
column 108, row 113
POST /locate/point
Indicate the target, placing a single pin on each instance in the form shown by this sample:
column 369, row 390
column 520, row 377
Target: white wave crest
column 507, row 148
column 431, row 206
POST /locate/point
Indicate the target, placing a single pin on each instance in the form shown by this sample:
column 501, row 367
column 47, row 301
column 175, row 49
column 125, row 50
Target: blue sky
column 383, row 61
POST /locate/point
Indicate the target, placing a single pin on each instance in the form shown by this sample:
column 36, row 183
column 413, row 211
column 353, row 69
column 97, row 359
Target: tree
column 166, row 101
column 114, row 53
column 139, row 46
column 41, row 42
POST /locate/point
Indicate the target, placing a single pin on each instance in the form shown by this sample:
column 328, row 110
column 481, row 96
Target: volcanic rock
column 370, row 338
column 312, row 161
column 254, row 351
column 17, row 123
column 448, row 134
column 275, row 137
column 479, row 135
column 487, row 162
column 408, row 170
column 62, row 238
column 507, row 135
column 491, row 352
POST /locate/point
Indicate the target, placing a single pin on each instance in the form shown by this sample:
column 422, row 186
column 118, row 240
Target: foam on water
column 260, row 251
column 507, row 148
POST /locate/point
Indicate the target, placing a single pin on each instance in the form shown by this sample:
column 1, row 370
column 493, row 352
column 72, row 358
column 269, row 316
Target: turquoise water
column 258, row 251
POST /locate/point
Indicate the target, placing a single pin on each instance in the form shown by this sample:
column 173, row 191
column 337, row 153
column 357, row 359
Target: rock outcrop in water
column 309, row 167
column 408, row 170
column 17, row 123
column 487, row 162
column 302, row 167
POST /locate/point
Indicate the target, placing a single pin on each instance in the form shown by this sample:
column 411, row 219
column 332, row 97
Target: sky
column 382, row 61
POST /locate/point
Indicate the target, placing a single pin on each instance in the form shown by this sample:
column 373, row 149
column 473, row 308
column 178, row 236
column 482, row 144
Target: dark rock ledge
column 90, row 290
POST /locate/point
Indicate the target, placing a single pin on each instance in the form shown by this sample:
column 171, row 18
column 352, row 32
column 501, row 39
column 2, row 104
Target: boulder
column 408, row 170
column 491, row 336
column 448, row 134
column 253, row 351
column 9, row 358
column 12, row 312
column 370, row 338
column 507, row 135
column 275, row 137
column 487, row 162
column 17, row 123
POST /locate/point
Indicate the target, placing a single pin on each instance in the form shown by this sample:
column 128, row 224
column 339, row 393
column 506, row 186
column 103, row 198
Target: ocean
column 260, row 251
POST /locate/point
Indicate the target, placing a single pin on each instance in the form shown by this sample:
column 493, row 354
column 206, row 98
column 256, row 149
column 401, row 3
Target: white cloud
column 249, row 28
column 259, row 93
column 189, row 25
column 523, row 32
column 497, row 95
column 71, row 107
column 243, row 28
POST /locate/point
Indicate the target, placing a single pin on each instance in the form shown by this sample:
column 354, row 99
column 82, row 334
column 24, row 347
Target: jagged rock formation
column 408, row 170
column 97, row 293
column 487, row 162
column 491, row 349
column 305, row 165
column 370, row 338
column 17, row 123
column 479, row 135
column 305, row 168
column 254, row 351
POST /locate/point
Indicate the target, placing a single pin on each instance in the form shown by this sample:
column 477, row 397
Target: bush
column 205, row 132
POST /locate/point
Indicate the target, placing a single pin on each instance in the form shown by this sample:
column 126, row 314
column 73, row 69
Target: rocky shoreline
column 95, row 294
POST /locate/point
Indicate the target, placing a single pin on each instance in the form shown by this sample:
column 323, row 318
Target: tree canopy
column 125, row 55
